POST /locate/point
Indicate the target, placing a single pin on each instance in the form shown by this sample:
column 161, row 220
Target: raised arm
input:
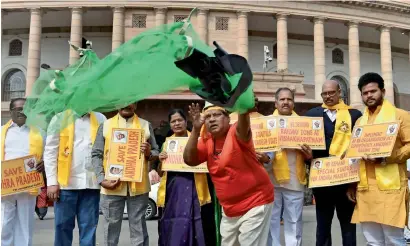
column 191, row 157
column 243, row 129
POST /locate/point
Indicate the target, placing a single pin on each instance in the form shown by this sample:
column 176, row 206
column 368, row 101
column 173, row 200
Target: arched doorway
column 14, row 85
column 343, row 86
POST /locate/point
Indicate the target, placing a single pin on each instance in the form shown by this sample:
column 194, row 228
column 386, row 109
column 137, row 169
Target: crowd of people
column 240, row 200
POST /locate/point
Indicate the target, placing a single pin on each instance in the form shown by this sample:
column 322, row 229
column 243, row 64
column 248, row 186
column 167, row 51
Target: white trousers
column 250, row 229
column 382, row 235
column 292, row 217
column 17, row 213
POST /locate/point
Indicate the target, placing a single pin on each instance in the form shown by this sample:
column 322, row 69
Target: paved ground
column 44, row 232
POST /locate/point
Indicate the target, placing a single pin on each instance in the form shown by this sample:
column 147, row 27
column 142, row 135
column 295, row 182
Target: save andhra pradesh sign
column 20, row 175
column 270, row 133
column 375, row 140
column 333, row 171
column 174, row 147
column 125, row 159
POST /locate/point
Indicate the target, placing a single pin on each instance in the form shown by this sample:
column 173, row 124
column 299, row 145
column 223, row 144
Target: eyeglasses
column 17, row 110
column 328, row 94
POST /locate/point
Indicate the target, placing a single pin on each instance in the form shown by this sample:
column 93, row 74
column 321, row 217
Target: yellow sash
column 201, row 184
column 280, row 164
column 342, row 134
column 35, row 145
column 115, row 123
column 387, row 176
column 65, row 152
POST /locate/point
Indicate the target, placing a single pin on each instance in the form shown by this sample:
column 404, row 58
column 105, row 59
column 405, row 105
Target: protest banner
column 174, row 146
column 20, row 175
column 264, row 133
column 125, row 160
column 375, row 140
column 296, row 130
column 333, row 171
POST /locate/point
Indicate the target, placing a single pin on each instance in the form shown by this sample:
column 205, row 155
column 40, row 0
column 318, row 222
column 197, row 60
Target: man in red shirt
column 241, row 183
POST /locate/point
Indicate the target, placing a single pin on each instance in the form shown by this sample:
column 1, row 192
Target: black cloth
column 333, row 197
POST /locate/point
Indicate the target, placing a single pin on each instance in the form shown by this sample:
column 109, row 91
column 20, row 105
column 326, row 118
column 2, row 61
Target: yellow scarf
column 201, row 184
column 115, row 123
column 342, row 134
column 35, row 145
column 387, row 176
column 65, row 152
column 280, row 164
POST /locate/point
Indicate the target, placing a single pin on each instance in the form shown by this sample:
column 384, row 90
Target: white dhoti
column 292, row 217
column 17, row 213
column 382, row 235
column 250, row 229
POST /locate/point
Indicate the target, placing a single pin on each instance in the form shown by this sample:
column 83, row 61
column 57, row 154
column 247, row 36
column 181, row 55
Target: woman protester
column 188, row 207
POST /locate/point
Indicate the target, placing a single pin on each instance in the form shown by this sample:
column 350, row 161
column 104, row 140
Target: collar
column 328, row 110
column 15, row 125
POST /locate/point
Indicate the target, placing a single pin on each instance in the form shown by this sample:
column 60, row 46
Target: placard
column 333, row 171
column 125, row 160
column 174, row 146
column 20, row 175
column 297, row 130
column 375, row 140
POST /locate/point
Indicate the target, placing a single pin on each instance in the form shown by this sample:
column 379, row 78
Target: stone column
column 354, row 65
column 408, row 33
column 282, row 42
column 118, row 27
column 386, row 62
column 76, row 35
column 34, row 48
column 319, row 55
column 160, row 16
column 202, row 23
column 243, row 34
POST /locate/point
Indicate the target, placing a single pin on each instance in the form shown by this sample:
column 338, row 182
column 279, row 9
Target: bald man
column 339, row 120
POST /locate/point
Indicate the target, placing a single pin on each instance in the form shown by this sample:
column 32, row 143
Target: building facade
column 309, row 42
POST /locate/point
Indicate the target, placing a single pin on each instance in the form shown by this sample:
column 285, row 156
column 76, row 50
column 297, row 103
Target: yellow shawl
column 387, row 176
column 280, row 164
column 201, row 184
column 342, row 134
column 65, row 152
column 35, row 145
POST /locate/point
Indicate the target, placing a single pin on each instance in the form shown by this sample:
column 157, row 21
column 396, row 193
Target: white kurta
column 17, row 211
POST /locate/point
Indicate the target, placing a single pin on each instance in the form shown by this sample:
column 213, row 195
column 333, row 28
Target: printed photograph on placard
column 175, row 162
column 271, row 124
column 30, row 165
column 115, row 171
column 120, row 136
column 332, row 171
column 282, row 123
column 374, row 140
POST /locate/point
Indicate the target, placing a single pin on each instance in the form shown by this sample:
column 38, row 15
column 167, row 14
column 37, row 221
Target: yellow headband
column 213, row 108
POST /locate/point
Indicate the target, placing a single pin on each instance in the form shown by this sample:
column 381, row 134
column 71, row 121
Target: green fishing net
column 142, row 67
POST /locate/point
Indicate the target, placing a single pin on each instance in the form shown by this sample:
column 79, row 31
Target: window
column 139, row 21
column 337, row 56
column 222, row 23
column 275, row 51
column 14, row 85
column 15, row 48
column 180, row 18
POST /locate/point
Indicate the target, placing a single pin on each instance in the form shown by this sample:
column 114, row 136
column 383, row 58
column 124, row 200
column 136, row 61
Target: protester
column 188, row 216
column 116, row 193
column 69, row 184
column 382, row 193
column 241, row 183
column 288, row 175
column 18, row 140
column 339, row 120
